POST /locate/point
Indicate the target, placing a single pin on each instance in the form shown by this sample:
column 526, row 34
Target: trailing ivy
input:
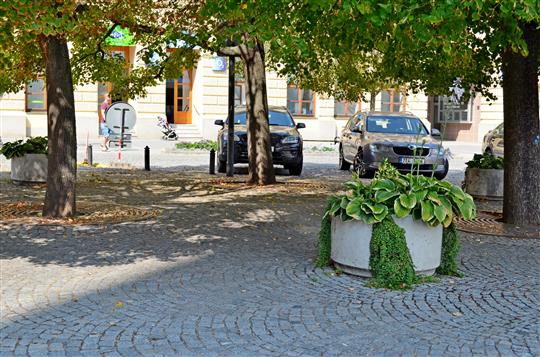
column 390, row 261
column 450, row 251
column 323, row 260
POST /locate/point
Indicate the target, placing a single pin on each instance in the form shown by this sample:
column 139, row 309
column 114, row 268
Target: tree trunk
column 62, row 154
column 261, row 170
column 522, row 132
column 372, row 101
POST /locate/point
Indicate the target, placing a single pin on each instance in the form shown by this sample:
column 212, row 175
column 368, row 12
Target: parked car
column 370, row 137
column 493, row 142
column 286, row 141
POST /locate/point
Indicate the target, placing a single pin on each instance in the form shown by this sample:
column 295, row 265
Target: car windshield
column 395, row 125
column 275, row 118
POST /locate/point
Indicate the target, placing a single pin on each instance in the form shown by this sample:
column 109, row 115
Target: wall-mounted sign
column 220, row 64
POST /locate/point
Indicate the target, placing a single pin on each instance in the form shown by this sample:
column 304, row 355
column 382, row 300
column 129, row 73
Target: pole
column 147, row 158
column 230, row 120
column 122, row 133
column 212, row 162
column 89, row 156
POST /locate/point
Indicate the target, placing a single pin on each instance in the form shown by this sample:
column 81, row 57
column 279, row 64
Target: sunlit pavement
column 231, row 273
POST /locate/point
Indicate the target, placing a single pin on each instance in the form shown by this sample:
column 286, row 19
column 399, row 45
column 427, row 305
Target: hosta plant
column 391, row 194
column 486, row 161
column 18, row 148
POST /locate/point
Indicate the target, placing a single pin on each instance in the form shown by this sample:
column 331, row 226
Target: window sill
column 304, row 116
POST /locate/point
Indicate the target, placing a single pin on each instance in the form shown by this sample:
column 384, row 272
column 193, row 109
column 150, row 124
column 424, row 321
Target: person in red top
column 104, row 129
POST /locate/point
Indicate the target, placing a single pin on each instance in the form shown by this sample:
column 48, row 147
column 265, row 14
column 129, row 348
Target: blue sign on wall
column 220, row 64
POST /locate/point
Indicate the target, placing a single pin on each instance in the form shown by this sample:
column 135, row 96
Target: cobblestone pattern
column 235, row 278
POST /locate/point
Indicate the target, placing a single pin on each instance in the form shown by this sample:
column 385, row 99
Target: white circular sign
column 118, row 114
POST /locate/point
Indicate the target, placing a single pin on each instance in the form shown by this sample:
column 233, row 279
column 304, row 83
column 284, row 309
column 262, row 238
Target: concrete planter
column 484, row 183
column 29, row 168
column 351, row 239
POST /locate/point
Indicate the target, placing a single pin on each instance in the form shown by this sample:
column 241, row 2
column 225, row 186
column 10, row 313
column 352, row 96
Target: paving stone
column 217, row 274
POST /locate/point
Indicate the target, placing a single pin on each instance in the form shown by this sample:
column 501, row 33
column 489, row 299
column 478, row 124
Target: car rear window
column 395, row 125
column 275, row 118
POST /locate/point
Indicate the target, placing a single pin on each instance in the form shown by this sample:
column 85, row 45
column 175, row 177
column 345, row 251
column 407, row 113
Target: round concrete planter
column 351, row 239
column 29, row 168
column 484, row 183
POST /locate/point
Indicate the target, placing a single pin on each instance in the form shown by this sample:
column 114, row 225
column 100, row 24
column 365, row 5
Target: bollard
column 89, row 158
column 147, row 158
column 212, row 162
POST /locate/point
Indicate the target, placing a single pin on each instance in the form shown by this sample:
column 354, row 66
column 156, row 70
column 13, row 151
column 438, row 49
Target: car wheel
column 343, row 165
column 442, row 175
column 360, row 167
column 222, row 166
column 296, row 170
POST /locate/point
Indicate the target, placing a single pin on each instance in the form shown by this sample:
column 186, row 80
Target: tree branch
column 230, row 51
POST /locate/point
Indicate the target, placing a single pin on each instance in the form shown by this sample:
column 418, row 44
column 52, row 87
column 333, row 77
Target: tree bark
column 261, row 169
column 62, row 154
column 522, row 132
column 372, row 101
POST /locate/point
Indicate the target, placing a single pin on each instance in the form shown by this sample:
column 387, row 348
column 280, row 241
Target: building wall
column 210, row 101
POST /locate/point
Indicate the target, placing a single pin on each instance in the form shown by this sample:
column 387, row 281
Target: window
column 178, row 98
column 445, row 111
column 36, row 96
column 391, row 101
column 300, row 101
column 344, row 108
column 239, row 90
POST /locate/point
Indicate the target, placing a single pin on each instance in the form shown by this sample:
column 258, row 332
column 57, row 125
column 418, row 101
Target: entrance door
column 183, row 98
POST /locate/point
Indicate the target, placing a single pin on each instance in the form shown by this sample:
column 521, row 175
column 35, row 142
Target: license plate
column 410, row 160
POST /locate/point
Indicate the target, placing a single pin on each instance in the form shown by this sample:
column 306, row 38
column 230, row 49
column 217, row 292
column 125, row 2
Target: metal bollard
column 212, row 162
column 89, row 156
column 147, row 158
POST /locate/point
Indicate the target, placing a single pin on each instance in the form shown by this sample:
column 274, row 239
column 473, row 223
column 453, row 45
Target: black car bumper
column 281, row 155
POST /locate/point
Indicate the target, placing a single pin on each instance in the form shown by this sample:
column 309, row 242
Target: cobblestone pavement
column 228, row 270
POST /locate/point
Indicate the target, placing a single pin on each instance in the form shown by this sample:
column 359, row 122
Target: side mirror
column 219, row 122
column 435, row 132
column 300, row 126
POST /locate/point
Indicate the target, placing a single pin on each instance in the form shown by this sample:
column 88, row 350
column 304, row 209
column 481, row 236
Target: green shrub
column 200, row 145
column 390, row 261
column 450, row 251
column 486, row 161
column 18, row 148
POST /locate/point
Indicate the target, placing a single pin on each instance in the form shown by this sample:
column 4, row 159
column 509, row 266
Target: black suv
column 401, row 138
column 287, row 144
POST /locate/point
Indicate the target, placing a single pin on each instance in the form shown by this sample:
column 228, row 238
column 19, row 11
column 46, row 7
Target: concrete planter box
column 484, row 183
column 351, row 239
column 29, row 168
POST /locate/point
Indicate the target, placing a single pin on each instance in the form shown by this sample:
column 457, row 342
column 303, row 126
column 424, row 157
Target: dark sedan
column 286, row 141
column 401, row 138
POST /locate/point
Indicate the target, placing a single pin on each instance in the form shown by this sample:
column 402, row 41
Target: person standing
column 104, row 129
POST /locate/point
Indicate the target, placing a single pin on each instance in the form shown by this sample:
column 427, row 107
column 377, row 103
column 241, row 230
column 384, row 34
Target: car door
column 346, row 138
column 356, row 136
column 498, row 141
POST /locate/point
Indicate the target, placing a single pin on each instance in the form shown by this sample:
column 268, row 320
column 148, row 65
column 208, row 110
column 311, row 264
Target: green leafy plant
column 450, row 251
column 200, row 145
column 486, row 161
column 390, row 261
column 391, row 194
column 18, row 148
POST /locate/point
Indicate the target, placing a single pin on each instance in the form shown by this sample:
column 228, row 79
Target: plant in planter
column 394, row 228
column 484, row 176
column 28, row 159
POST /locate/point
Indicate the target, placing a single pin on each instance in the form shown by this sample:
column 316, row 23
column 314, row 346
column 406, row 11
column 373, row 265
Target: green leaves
column 428, row 199
column 18, row 148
